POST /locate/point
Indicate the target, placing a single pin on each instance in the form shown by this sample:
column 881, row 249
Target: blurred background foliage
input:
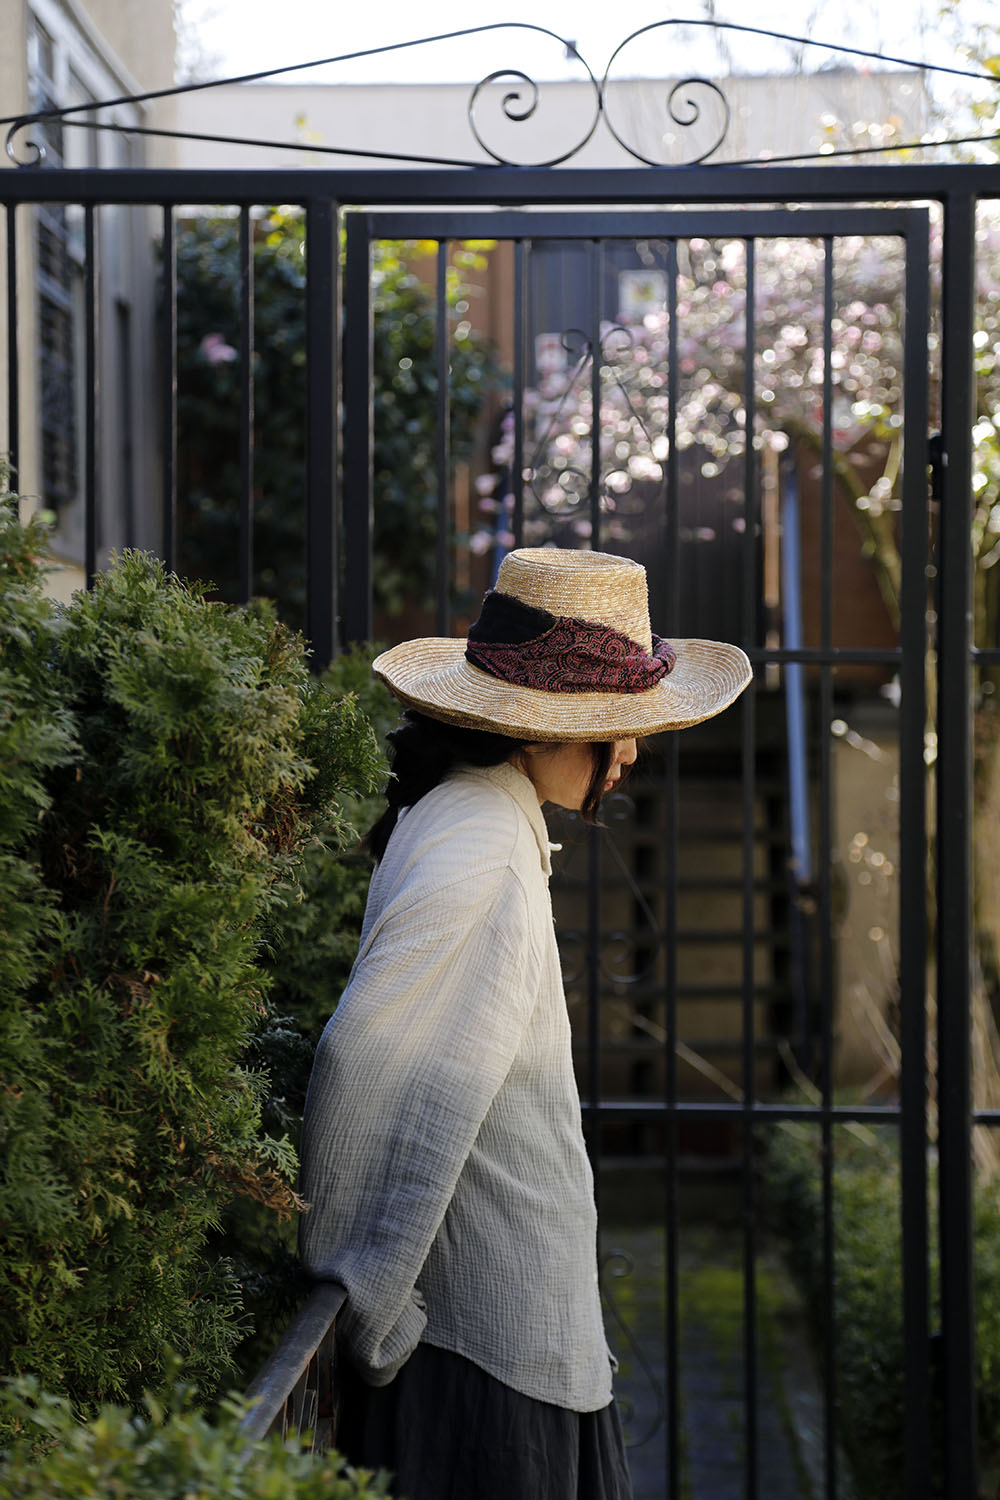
column 405, row 382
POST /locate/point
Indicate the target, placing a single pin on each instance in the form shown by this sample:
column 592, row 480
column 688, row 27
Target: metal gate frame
column 597, row 226
column 324, row 195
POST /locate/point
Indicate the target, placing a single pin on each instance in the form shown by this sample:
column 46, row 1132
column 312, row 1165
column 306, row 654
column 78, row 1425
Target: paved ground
column 711, row 1388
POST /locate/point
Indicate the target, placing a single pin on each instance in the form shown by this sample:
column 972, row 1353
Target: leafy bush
column 311, row 947
column 404, row 374
column 166, row 763
column 868, row 1293
column 167, row 1454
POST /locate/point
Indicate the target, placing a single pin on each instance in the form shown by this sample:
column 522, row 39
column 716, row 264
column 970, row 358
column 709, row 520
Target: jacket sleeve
column 404, row 1075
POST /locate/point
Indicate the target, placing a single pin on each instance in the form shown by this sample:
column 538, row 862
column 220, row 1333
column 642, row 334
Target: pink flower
column 215, row 351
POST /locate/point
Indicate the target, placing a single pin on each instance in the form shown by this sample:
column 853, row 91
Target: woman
column 442, row 1154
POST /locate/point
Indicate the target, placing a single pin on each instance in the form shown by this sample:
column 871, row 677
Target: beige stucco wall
column 117, row 47
column 767, row 114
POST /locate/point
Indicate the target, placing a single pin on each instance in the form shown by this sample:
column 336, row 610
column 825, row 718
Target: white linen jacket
column 442, row 1151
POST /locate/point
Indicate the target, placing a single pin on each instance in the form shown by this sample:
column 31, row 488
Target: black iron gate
column 603, row 210
column 624, row 1005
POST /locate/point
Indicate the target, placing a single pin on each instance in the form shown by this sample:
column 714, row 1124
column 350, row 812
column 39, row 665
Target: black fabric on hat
column 505, row 619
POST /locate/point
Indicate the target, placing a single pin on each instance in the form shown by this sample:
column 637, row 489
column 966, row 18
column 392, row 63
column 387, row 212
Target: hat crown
column 593, row 586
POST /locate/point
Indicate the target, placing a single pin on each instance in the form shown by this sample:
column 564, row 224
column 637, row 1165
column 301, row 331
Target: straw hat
column 578, row 622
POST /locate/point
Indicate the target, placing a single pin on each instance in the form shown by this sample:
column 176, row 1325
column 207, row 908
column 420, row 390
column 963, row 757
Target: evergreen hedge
column 868, row 1310
column 307, row 960
column 164, row 764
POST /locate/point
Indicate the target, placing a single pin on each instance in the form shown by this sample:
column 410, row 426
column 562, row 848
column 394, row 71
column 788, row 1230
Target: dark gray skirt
column 449, row 1431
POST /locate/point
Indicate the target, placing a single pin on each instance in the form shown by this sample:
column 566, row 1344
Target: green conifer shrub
column 170, row 1452
column 166, row 762
column 307, row 959
column 869, row 1354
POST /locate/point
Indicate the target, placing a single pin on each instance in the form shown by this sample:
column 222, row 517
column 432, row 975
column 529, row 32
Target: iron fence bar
column 954, row 853
column 748, row 956
column 671, row 562
column 829, row 655
column 443, row 444
column 733, row 1111
column 322, row 350
column 986, row 656
column 358, row 429
column 913, row 873
column 514, row 186
column 91, row 394
column 594, row 265
column 13, row 358
column 522, row 251
column 169, row 393
column 741, row 224
column 304, row 1337
column 824, row 886
column 246, row 406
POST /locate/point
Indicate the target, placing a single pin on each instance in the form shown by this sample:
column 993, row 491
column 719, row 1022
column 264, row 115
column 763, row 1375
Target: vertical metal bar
column 913, row 874
column 954, row 862
column 442, row 570
column 594, row 1006
column 358, row 425
column 595, row 261
column 593, row 842
column 671, row 564
column 13, row 357
column 169, row 377
column 521, row 252
column 825, row 886
column 751, row 546
column 322, row 339
column 246, row 405
column 91, row 393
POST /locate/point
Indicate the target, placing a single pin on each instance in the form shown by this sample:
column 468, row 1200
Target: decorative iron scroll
column 614, row 1266
column 686, row 104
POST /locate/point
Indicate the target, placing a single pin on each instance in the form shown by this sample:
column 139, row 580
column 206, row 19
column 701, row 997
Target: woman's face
column 561, row 773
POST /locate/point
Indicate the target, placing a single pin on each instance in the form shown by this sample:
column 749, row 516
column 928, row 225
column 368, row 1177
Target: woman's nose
column 625, row 752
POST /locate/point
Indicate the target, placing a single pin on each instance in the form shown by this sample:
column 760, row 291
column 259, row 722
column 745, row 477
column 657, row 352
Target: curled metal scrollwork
column 615, row 1265
column 683, row 107
column 512, row 105
column 685, row 103
column 516, row 109
column 36, row 148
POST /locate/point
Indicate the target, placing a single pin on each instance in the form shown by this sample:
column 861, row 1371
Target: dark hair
column 423, row 750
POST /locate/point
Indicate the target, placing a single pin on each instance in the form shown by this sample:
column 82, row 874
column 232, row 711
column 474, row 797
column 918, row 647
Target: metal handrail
column 293, row 1392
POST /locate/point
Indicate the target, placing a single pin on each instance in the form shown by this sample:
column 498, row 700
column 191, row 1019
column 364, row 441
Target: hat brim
column 433, row 676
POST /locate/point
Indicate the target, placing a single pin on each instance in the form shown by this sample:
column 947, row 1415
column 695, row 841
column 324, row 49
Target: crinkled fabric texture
column 442, row 1151
column 449, row 1431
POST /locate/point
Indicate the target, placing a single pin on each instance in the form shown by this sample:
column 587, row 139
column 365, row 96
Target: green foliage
column 867, row 1307
column 167, row 761
column 36, row 735
column 405, row 385
column 169, row 1453
column 308, row 957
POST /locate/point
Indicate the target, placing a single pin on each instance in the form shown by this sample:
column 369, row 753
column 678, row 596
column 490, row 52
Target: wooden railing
column 295, row 1390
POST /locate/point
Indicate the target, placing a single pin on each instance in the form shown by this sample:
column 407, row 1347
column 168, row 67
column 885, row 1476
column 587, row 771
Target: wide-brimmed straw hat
column 563, row 651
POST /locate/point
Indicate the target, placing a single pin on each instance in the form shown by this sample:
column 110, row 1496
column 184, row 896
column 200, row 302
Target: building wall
column 96, row 50
column 776, row 115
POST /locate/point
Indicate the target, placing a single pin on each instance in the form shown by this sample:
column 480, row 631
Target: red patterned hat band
column 531, row 648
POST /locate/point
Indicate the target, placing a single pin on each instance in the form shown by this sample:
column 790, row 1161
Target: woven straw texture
column 432, row 674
